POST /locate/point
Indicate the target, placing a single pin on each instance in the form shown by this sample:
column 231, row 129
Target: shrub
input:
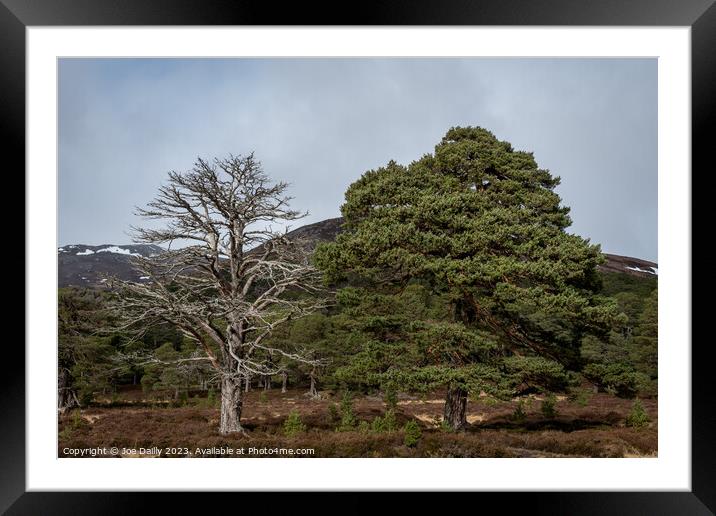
column 391, row 397
column 262, row 397
column 364, row 427
column 445, row 426
column 573, row 379
column 293, row 424
column 65, row 434
column 519, row 415
column 619, row 378
column 538, row 371
column 387, row 423
column 348, row 418
column 489, row 401
column 638, row 417
column 77, row 421
column 412, row 433
column 333, row 414
column 581, row 397
column 549, row 406
column 211, row 398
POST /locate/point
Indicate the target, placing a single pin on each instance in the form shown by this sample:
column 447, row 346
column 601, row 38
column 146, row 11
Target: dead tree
column 227, row 288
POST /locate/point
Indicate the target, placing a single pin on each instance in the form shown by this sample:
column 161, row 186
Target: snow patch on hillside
column 118, row 250
column 114, row 249
column 654, row 270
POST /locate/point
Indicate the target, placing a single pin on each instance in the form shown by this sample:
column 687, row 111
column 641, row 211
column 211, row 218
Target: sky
column 321, row 123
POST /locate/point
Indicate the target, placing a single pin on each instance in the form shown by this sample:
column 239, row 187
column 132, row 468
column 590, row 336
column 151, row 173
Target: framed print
column 417, row 250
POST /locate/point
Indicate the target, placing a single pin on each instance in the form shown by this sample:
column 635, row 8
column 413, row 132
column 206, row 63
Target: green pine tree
column 647, row 336
column 478, row 225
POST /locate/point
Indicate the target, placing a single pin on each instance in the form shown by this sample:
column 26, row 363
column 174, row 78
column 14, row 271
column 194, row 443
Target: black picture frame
column 700, row 15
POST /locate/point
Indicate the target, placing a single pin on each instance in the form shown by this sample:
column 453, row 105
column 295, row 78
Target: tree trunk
column 455, row 408
column 66, row 398
column 230, row 406
column 268, row 379
column 247, row 385
column 284, row 381
column 312, row 392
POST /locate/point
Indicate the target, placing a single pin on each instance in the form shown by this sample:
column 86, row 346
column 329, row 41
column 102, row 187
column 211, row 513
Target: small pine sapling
column 412, row 433
column 548, row 407
column 293, row 424
column 638, row 417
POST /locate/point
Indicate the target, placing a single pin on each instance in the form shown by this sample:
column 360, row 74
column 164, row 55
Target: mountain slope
column 82, row 265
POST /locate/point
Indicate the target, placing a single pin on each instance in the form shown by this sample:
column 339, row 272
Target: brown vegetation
column 592, row 428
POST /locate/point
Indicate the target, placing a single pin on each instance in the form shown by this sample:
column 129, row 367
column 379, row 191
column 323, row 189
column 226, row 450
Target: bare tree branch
column 235, row 280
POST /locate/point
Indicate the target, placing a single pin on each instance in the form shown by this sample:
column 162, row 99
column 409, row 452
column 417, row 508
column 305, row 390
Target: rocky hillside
column 633, row 266
column 83, row 265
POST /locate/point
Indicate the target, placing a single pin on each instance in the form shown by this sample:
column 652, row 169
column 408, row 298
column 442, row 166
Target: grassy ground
column 591, row 425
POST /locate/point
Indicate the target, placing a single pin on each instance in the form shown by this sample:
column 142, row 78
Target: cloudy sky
column 320, row 123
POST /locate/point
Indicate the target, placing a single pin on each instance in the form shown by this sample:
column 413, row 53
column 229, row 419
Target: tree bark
column 268, row 378
column 455, row 408
column 231, row 400
column 284, row 381
column 66, row 398
column 247, row 384
column 312, row 392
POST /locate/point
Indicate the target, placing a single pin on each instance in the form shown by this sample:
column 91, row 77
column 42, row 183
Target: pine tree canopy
column 480, row 225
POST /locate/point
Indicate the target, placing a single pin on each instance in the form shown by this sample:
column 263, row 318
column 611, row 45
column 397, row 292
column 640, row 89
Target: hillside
column 83, row 265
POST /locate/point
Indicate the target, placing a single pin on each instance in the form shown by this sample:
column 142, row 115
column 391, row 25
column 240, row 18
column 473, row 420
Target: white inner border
column 671, row 470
